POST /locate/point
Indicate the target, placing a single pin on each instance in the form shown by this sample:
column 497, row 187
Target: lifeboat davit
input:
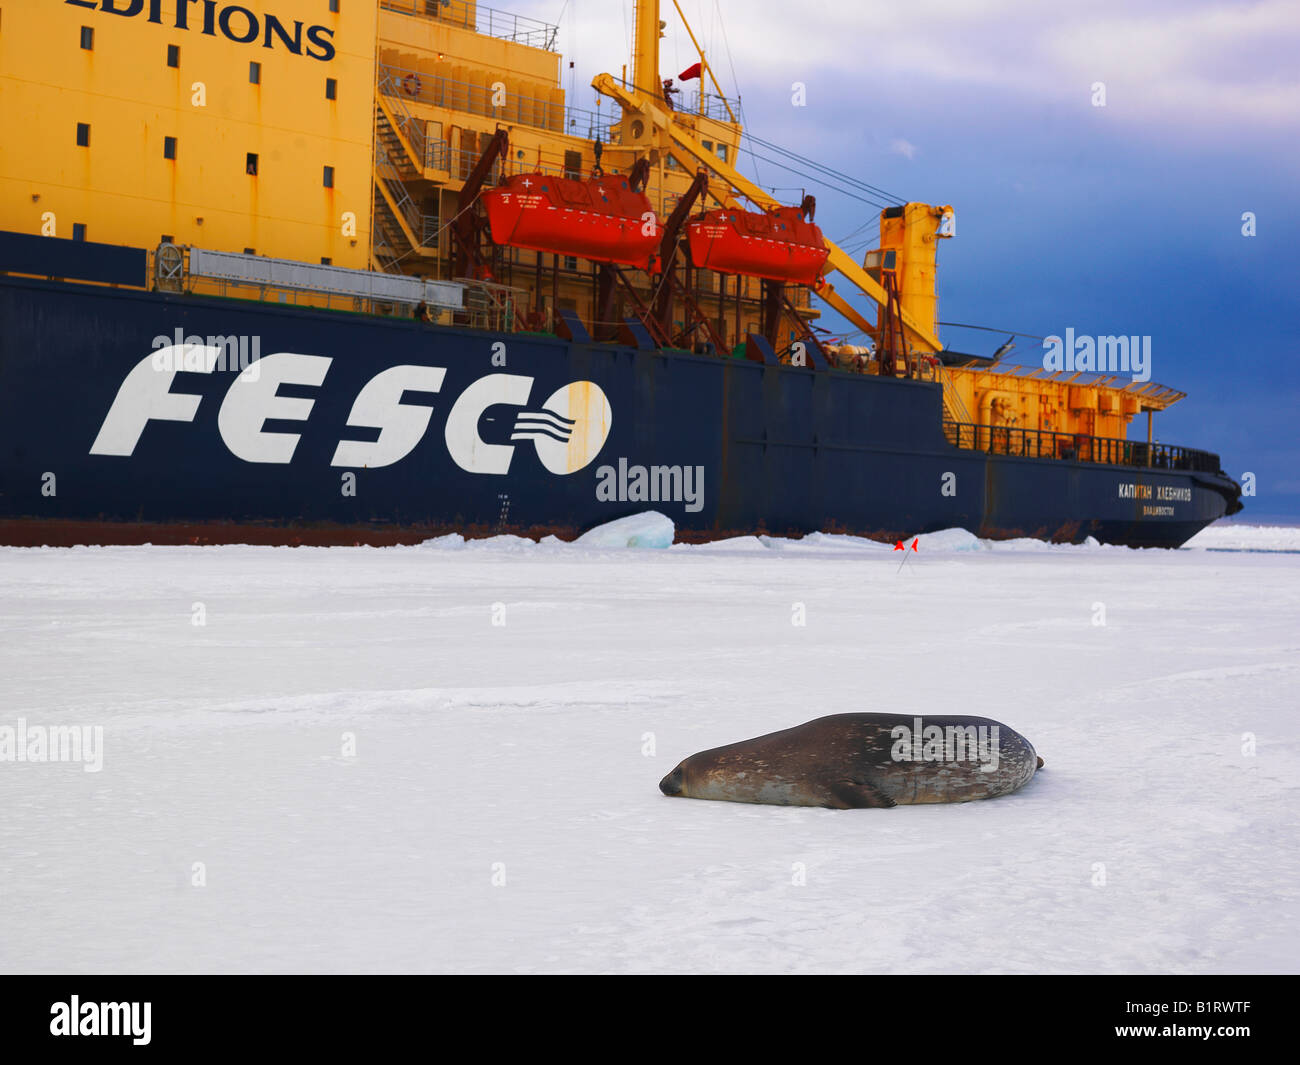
column 603, row 218
column 780, row 246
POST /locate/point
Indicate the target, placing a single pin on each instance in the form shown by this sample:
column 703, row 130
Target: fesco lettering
column 567, row 430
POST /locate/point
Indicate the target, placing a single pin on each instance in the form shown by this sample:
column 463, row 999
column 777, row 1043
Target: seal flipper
column 858, row 795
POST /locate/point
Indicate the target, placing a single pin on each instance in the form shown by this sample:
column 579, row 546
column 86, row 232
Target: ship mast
column 645, row 51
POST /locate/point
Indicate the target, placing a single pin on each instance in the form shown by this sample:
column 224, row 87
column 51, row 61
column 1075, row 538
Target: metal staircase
column 410, row 228
column 403, row 154
column 390, row 245
column 954, row 407
column 394, row 147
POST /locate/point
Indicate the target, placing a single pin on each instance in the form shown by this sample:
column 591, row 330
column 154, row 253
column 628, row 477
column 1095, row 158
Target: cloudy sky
column 1121, row 219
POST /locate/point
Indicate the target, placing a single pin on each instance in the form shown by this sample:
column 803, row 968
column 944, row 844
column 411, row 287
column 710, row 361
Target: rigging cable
column 740, row 106
column 825, row 183
column 830, row 172
column 987, row 329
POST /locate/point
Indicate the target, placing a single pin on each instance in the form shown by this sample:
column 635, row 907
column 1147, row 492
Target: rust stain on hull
column 61, row 533
column 58, row 532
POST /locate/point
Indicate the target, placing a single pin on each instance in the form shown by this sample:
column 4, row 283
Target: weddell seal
column 851, row 761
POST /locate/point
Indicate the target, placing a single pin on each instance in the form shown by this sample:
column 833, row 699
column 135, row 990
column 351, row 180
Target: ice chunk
column 648, row 529
column 450, row 542
column 949, row 540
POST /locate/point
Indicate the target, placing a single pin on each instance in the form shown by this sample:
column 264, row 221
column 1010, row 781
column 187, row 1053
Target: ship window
column 250, row 164
column 250, row 251
column 173, row 55
column 334, row 6
column 167, row 238
column 329, row 177
column 255, row 73
column 571, row 262
column 87, row 38
column 83, row 135
column 325, row 260
column 722, row 152
column 169, row 147
column 78, row 230
column 331, row 89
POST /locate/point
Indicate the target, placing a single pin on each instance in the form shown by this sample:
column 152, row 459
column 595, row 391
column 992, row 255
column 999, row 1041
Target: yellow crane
column 650, row 123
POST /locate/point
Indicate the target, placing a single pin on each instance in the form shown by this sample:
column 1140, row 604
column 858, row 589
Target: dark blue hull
column 776, row 449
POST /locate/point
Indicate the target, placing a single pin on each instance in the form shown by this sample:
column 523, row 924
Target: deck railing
column 499, row 24
column 708, row 105
column 492, row 306
column 1077, row 447
column 414, row 86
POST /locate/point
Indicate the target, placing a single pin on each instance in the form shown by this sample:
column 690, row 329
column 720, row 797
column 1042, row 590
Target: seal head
column 672, row 783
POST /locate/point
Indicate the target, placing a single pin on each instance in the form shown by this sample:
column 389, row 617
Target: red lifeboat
column 604, row 218
column 780, row 246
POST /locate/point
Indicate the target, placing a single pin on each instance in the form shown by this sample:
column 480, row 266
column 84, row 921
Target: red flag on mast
column 693, row 71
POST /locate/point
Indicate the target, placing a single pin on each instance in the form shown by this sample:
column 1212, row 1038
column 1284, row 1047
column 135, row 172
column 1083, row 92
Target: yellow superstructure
column 912, row 232
column 449, row 75
column 130, row 121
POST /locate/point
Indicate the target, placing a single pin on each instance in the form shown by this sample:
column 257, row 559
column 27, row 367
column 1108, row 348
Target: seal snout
column 672, row 783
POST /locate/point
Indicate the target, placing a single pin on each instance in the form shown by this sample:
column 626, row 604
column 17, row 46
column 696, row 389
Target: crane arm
column 838, row 259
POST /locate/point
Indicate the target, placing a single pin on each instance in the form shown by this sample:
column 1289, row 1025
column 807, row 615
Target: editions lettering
column 235, row 23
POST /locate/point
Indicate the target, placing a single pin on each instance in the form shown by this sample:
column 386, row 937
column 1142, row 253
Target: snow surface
column 528, row 744
column 1227, row 536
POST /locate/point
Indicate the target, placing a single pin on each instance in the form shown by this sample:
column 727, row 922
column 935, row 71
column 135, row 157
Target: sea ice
column 445, row 758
